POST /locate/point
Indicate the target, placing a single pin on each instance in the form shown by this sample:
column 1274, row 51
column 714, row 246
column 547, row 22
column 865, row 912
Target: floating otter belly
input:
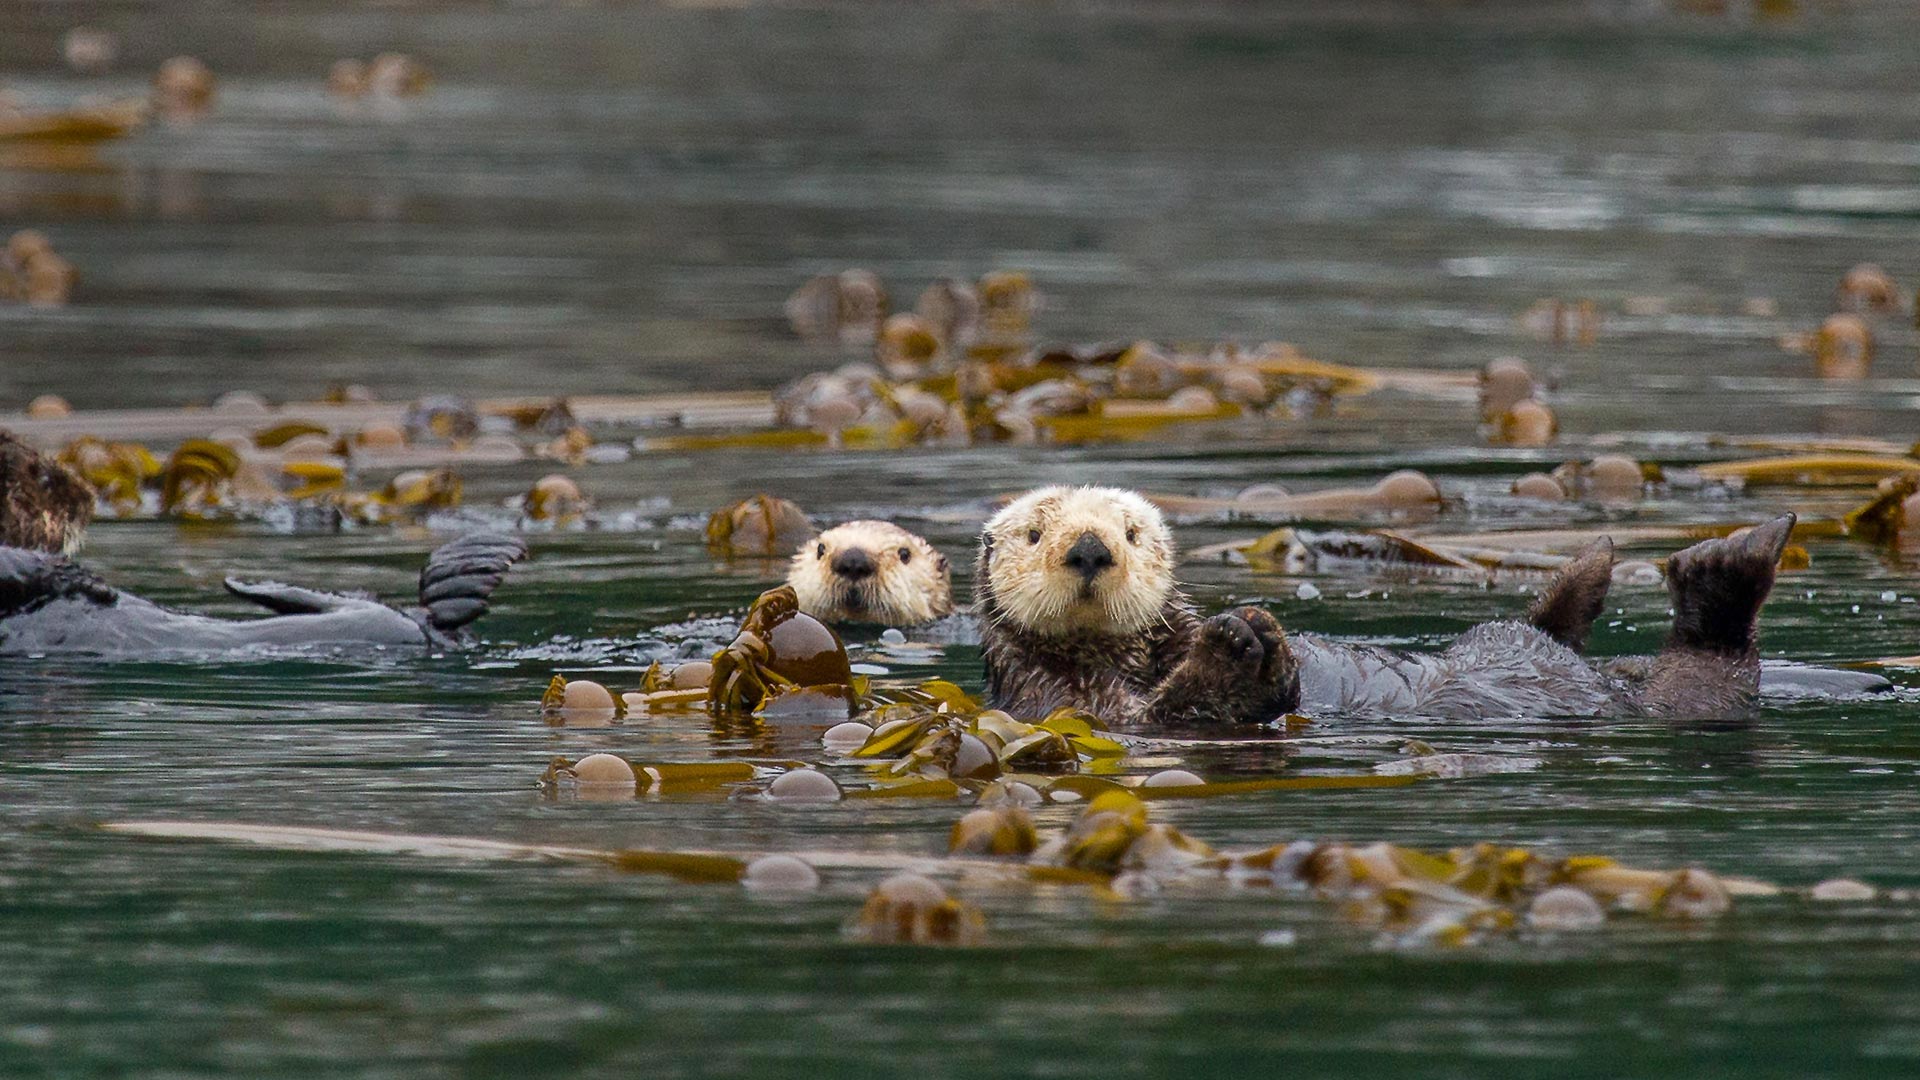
column 49, row 604
column 1078, row 608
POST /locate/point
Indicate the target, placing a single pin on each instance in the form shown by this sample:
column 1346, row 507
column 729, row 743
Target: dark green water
column 618, row 201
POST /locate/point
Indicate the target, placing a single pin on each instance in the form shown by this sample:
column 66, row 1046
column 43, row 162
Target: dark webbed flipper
column 287, row 599
column 1238, row 669
column 1567, row 606
column 461, row 575
column 1710, row 665
column 1718, row 586
column 29, row 579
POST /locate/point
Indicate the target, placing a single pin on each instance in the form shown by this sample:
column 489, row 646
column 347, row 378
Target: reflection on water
column 619, row 201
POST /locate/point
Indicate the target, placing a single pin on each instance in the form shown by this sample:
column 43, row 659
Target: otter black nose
column 1088, row 556
column 853, row 564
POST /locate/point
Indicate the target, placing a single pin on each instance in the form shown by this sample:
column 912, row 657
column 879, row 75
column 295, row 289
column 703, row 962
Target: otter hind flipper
column 1567, row 606
column 287, row 599
column 29, row 579
column 1717, row 587
column 461, row 575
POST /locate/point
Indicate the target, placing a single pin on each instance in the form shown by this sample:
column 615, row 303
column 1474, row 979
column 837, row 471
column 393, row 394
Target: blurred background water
column 617, row 199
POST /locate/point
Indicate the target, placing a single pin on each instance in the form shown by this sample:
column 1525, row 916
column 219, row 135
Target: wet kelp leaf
column 1811, row 470
column 281, row 434
column 681, row 866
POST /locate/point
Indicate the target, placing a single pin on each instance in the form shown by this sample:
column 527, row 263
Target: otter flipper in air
column 460, row 577
column 1710, row 665
column 1566, row 608
column 1718, row 587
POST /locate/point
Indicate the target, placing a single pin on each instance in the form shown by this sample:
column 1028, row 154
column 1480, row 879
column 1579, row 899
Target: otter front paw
column 1237, row 670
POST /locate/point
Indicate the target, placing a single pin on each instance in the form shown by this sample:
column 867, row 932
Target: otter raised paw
column 1237, row 670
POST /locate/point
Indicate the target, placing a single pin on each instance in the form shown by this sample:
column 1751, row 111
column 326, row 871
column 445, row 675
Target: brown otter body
column 44, row 506
column 1054, row 633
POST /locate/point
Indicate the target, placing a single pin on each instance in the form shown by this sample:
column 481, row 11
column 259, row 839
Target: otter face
column 872, row 572
column 1061, row 559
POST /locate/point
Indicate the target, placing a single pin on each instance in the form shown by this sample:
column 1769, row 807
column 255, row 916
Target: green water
column 619, row 201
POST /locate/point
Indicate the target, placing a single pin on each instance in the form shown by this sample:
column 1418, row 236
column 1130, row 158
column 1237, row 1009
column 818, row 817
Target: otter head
column 43, row 504
column 1062, row 560
column 872, row 572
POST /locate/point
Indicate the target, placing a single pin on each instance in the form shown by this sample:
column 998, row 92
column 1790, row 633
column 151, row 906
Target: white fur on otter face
column 1036, row 581
column 871, row 572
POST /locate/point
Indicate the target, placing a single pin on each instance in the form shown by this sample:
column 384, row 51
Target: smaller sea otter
column 44, row 505
column 1078, row 607
column 872, row 572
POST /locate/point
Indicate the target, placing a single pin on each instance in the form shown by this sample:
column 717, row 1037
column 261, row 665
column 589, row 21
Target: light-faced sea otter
column 1078, row 606
column 871, row 572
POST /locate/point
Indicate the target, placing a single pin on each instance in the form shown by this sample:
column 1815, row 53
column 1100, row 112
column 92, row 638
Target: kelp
column 781, row 650
column 1888, row 517
column 82, row 125
column 910, row 909
column 760, row 525
column 1810, row 470
column 1113, row 850
column 118, row 471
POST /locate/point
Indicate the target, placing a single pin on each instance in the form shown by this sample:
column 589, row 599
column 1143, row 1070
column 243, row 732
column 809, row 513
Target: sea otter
column 1078, row 606
column 871, row 572
column 51, row 604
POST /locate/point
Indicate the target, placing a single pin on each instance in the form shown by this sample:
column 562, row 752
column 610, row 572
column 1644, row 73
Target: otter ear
column 986, row 546
column 940, row 563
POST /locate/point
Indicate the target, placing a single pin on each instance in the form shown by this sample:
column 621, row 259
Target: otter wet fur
column 872, row 572
column 44, row 506
column 50, row 604
column 1078, row 607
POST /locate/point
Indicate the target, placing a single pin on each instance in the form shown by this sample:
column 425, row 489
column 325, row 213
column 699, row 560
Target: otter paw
column 1238, row 670
column 1230, row 643
column 1279, row 677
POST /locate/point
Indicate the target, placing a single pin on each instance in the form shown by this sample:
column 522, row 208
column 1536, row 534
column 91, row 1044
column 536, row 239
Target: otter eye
column 820, row 552
column 906, row 555
column 1133, row 536
column 1033, row 536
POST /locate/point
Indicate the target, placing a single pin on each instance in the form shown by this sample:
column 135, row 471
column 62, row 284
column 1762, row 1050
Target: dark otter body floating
column 1709, row 667
column 50, row 604
column 1056, row 631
